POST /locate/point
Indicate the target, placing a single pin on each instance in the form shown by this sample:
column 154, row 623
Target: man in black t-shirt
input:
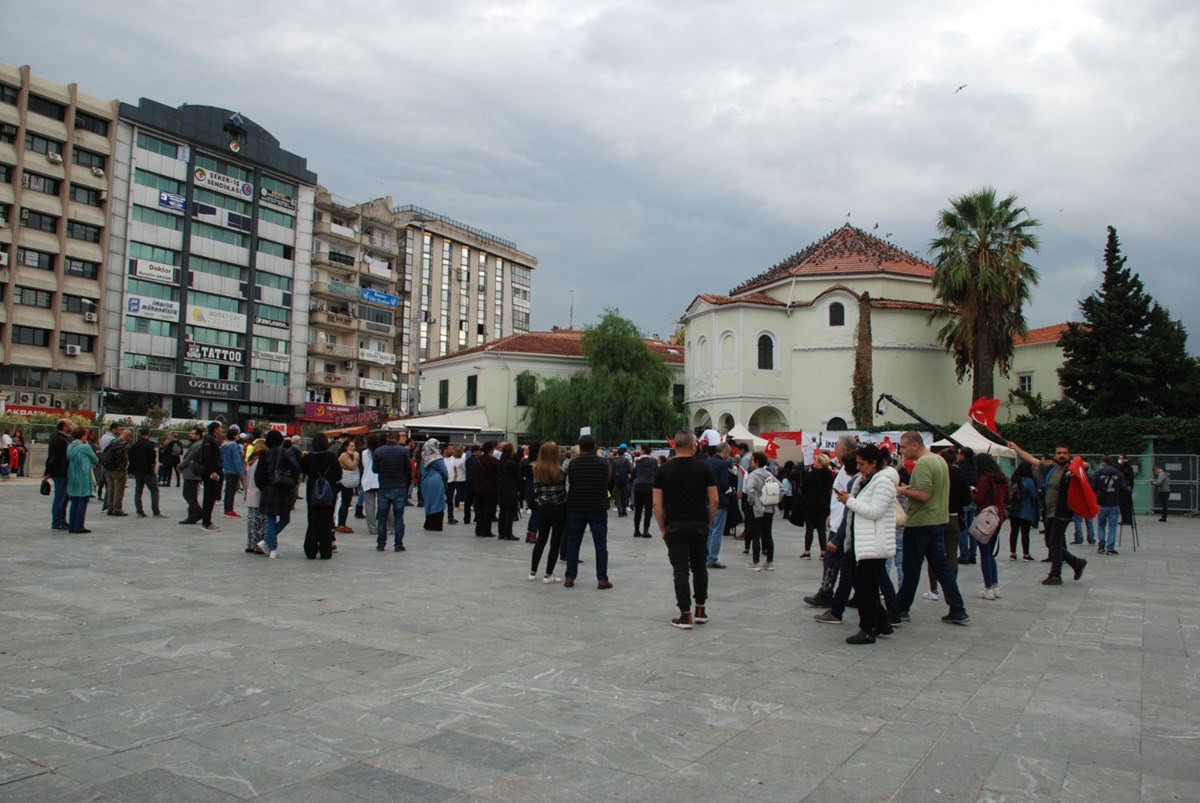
column 685, row 504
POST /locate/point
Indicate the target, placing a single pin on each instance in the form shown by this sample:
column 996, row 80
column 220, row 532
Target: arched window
column 837, row 314
column 766, row 353
column 728, row 351
column 837, row 423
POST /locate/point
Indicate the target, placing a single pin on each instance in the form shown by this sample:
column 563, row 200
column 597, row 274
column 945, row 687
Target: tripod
column 1133, row 530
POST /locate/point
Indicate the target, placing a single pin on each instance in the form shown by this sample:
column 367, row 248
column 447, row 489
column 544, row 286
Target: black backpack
column 108, row 458
column 1016, row 497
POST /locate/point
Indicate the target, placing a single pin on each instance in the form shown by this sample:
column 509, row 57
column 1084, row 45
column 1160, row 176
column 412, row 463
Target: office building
column 209, row 267
column 56, row 152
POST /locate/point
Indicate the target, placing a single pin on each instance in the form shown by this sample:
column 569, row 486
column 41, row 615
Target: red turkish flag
column 671, row 442
column 772, row 450
column 983, row 411
column 1081, row 499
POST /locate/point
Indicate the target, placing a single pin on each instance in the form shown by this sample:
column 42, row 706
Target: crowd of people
column 869, row 512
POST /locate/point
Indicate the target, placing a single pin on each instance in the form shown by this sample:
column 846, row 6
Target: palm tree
column 983, row 279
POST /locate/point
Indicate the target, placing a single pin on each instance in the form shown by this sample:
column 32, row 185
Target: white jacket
column 873, row 526
column 369, row 479
column 755, row 481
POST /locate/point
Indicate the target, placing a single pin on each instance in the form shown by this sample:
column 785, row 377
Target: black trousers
column 643, row 506
column 233, row 484
column 141, row 481
column 485, row 513
column 212, row 490
column 318, row 538
column 1018, row 527
column 867, row 575
column 814, row 523
column 1164, row 499
column 687, row 549
column 1059, row 553
column 552, row 523
column 763, row 538
column 344, row 510
column 621, row 497
column 191, row 495
column 507, row 514
column 468, row 501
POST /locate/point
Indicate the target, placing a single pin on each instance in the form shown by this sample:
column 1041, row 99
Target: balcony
column 327, row 229
column 327, row 200
column 331, row 380
column 376, row 385
column 385, row 244
column 333, row 320
column 334, row 262
column 336, row 289
column 339, row 350
column 377, row 328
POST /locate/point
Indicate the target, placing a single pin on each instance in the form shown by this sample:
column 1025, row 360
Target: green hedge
column 1123, row 435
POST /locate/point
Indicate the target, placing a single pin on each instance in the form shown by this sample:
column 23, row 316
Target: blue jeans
column 58, row 504
column 921, row 544
column 393, row 501
column 78, row 513
column 1091, row 530
column 597, row 520
column 715, row 533
column 1107, row 521
column 987, row 562
column 967, row 546
column 535, row 517
column 275, row 525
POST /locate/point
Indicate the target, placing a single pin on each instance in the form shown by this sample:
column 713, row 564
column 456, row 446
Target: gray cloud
column 649, row 151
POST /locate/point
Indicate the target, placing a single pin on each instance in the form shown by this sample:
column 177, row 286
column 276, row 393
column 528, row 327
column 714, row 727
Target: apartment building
column 207, row 291
column 56, row 152
column 352, row 318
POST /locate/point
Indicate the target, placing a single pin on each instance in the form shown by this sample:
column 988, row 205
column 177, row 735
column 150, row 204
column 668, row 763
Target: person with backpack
column 1022, row 510
column 323, row 475
column 763, row 492
column 1109, row 486
column 114, row 431
column 276, row 476
column 991, row 491
column 115, row 460
column 190, row 471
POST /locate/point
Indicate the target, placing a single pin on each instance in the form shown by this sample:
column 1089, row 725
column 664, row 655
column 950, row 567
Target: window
column 375, row 314
column 274, row 313
column 153, row 253
column 8, row 133
column 220, row 201
column 211, row 370
column 90, row 122
column 149, row 326
column 35, row 259
column 158, row 182
column 84, row 195
column 153, row 217
column 269, row 215
column 86, row 158
column 520, row 320
column 72, row 339
column 83, row 231
column 837, row 314
column 29, row 336
column 677, row 396
column 6, row 172
column 8, row 94
column 264, row 279
column 42, row 145
column 32, row 298
column 766, row 353
column 728, row 351
column 269, row 344
column 1025, row 383
column 144, row 362
column 81, row 268
column 220, row 235
column 275, row 249
column 155, row 145
column 213, row 301
column 139, row 287
column 520, row 279
column 39, row 221
column 216, row 337
column 263, row 377
column 62, row 380
column 46, row 107
column 78, row 304
column 5, row 212
column 526, row 387
column 40, row 183
column 221, row 166
column 472, row 390
column 213, row 267
column 443, row 394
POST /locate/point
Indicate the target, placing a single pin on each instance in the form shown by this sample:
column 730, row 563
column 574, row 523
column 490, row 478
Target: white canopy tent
column 468, row 423
column 740, row 434
column 968, row 436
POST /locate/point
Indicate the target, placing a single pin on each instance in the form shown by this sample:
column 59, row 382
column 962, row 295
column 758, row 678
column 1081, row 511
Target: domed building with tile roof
column 781, row 351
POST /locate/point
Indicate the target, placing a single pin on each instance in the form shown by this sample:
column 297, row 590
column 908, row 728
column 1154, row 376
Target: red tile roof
column 895, row 303
column 749, row 298
column 847, row 250
column 559, row 343
column 1044, row 334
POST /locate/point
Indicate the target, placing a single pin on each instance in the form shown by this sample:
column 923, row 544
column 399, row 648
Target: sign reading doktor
column 209, row 388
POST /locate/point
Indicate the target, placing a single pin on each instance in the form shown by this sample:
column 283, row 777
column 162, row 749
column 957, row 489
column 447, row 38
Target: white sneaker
column 995, row 592
column 274, row 553
column 990, row 594
column 754, row 567
column 770, row 567
column 983, row 594
column 550, row 579
column 532, row 576
column 263, row 546
column 930, row 595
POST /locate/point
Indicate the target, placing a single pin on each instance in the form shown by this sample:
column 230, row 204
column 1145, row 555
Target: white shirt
column 836, row 509
column 369, row 479
column 5, row 440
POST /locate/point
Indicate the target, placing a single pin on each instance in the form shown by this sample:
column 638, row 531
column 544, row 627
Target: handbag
column 282, row 478
column 901, row 515
column 350, row 478
column 45, row 487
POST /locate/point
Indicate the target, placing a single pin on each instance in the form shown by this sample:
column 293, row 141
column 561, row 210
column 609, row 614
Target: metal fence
column 1184, row 470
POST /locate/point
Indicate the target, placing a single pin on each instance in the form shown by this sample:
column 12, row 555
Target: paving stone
column 372, row 783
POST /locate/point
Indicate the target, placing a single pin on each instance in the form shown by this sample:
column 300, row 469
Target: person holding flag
column 1067, row 494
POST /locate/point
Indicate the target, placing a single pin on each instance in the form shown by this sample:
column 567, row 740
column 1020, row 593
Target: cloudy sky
column 647, row 151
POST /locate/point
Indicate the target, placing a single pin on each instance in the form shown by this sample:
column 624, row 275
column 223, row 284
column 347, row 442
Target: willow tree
column 984, row 280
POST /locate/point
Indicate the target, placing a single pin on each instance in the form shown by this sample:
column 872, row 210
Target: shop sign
column 209, row 353
column 216, row 318
column 272, row 356
column 378, row 385
column 376, row 297
column 224, row 183
column 276, row 198
column 169, row 200
column 381, row 328
column 381, row 357
column 157, row 308
column 26, row 410
column 325, row 412
column 271, row 322
column 209, row 388
column 154, row 271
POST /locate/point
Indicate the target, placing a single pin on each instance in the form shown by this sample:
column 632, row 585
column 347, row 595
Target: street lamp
column 414, row 331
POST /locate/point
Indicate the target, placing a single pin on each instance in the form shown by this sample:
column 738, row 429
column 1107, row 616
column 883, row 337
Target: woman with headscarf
column 256, row 522
column 433, row 484
column 508, row 481
column 81, row 459
column 277, row 474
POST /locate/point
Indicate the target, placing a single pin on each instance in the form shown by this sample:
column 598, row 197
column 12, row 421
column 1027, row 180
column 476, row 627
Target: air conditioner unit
column 54, row 158
column 8, row 128
column 187, row 336
column 25, row 398
column 103, row 196
column 58, row 403
column 73, row 350
column 98, row 172
column 45, row 400
column 3, row 259
column 348, row 364
column 91, row 317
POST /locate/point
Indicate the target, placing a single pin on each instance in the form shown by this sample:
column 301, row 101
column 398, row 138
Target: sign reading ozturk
column 220, row 181
column 209, row 388
column 203, row 351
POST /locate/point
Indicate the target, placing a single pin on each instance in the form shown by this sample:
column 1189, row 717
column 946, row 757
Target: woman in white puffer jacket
column 871, row 534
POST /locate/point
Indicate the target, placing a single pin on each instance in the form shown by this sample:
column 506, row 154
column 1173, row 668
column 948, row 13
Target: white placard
column 585, row 431
column 220, row 181
column 154, row 271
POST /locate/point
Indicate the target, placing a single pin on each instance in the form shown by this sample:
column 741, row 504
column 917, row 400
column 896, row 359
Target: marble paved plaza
column 154, row 662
